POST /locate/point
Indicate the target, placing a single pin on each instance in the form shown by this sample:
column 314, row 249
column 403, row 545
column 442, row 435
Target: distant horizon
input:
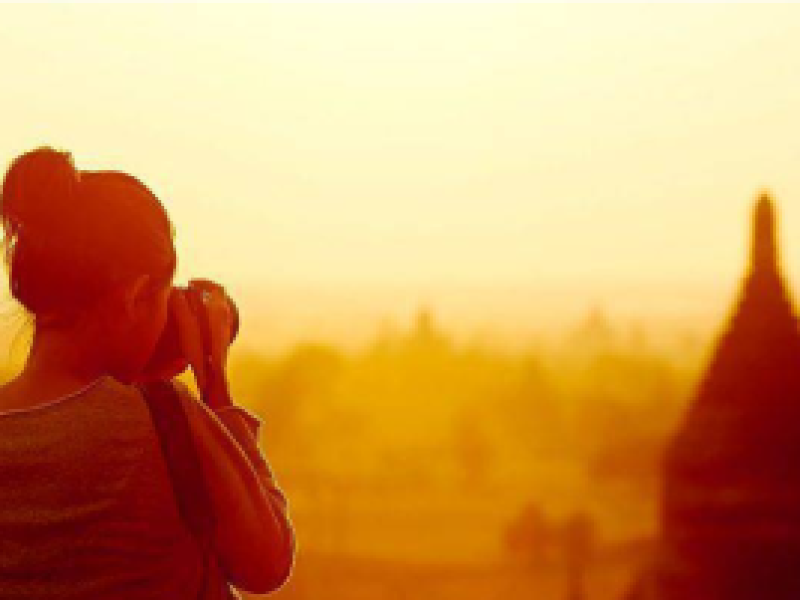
column 278, row 317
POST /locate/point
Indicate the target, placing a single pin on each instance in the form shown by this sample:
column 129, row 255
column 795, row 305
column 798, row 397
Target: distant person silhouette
column 88, row 508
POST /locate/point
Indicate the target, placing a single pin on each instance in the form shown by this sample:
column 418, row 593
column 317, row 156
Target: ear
column 133, row 292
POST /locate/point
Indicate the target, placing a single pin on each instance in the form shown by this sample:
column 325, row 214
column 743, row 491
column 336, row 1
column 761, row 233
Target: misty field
column 417, row 467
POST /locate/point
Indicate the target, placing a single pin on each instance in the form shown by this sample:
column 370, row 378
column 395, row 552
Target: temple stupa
column 730, row 509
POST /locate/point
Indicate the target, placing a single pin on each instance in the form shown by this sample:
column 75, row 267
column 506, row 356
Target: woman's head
column 92, row 247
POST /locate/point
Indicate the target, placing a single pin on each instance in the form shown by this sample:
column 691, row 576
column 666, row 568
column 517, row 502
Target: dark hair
column 71, row 235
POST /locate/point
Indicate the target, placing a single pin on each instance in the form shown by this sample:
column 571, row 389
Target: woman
column 87, row 508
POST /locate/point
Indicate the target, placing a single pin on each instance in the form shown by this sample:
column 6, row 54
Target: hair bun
column 38, row 186
column 70, row 237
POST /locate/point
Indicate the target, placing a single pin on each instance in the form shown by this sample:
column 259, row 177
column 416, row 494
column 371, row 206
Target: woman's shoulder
column 91, row 426
column 99, row 441
column 117, row 400
column 18, row 398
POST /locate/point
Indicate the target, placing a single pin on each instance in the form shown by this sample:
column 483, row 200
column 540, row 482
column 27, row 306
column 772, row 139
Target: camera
column 168, row 357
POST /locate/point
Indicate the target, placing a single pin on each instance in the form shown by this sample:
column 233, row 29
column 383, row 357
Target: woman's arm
column 254, row 537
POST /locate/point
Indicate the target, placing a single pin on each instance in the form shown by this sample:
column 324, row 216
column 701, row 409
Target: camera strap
column 175, row 437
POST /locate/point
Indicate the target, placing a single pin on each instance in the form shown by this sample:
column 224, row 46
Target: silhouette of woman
column 87, row 507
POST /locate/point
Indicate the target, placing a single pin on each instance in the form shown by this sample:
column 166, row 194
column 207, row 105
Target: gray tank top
column 86, row 505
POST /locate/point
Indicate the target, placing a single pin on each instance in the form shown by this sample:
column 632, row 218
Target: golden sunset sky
column 508, row 166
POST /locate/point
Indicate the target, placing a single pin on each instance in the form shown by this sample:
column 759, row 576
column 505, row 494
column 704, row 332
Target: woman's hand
column 206, row 348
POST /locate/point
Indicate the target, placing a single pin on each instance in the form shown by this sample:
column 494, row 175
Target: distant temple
column 730, row 511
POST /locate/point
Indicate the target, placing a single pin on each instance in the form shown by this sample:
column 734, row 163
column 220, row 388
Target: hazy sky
column 361, row 159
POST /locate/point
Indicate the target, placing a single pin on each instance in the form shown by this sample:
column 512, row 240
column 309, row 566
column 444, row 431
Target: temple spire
column 728, row 516
column 764, row 254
